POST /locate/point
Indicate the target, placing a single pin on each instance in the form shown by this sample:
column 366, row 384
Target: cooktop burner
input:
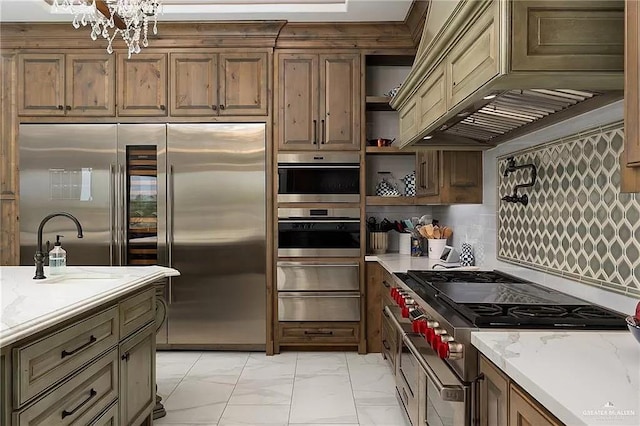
column 493, row 299
column 465, row 276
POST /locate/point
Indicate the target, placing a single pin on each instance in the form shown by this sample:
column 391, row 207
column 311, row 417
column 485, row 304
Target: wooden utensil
column 428, row 229
column 436, row 232
column 447, row 232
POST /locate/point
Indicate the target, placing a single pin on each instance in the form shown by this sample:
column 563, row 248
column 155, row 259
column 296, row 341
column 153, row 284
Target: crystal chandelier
column 108, row 18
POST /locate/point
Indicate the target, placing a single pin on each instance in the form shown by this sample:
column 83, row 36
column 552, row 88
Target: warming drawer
column 318, row 306
column 301, row 276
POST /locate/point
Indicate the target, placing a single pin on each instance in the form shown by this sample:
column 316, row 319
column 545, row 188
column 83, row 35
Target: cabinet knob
column 68, row 107
column 214, row 107
column 162, row 107
column 125, row 356
column 60, row 107
column 221, row 106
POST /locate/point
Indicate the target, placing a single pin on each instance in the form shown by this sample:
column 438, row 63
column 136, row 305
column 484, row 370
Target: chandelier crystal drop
column 129, row 18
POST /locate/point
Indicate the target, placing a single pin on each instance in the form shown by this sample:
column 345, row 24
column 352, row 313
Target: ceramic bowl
column 634, row 327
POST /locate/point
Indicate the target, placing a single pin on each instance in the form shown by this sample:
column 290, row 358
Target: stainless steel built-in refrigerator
column 190, row 196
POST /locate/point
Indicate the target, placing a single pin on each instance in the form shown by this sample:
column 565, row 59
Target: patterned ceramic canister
column 409, row 184
column 466, row 255
column 386, row 189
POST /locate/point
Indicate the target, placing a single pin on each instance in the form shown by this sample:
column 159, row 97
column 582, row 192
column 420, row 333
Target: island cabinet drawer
column 137, row 311
column 79, row 400
column 310, row 332
column 107, row 418
column 41, row 364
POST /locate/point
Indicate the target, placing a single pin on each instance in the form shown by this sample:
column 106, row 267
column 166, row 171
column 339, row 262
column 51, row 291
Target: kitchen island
column 580, row 377
column 78, row 347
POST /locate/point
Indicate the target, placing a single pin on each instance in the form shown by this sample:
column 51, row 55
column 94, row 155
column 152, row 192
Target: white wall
column 476, row 224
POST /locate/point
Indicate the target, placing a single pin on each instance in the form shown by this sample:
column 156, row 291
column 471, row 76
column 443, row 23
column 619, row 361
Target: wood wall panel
column 8, row 161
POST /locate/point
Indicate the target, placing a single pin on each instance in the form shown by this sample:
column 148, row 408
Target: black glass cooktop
column 493, row 299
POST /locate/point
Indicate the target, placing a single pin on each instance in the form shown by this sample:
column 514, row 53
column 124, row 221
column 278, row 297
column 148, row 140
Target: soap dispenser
column 57, row 258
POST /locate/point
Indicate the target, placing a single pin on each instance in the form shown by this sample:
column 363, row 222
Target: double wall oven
column 318, row 237
column 426, row 334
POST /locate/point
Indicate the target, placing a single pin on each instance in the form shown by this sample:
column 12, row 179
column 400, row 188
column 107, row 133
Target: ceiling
column 216, row 10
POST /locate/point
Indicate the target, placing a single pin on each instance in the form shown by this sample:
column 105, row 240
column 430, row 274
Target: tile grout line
column 353, row 395
column 234, row 386
column 293, row 388
column 180, row 381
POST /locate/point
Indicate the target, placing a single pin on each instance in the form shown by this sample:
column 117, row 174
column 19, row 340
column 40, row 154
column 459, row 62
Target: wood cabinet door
column 525, row 411
column 428, row 173
column 194, row 84
column 494, row 396
column 462, row 174
column 375, row 290
column 297, row 102
column 90, row 85
column 632, row 86
column 340, row 101
column 142, row 84
column 137, row 376
column 474, row 59
column 408, row 114
column 243, row 84
column 41, row 90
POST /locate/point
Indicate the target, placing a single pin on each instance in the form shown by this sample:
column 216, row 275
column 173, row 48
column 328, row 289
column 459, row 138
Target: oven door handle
column 318, row 166
column 317, row 294
column 306, row 264
column 448, row 386
column 318, row 221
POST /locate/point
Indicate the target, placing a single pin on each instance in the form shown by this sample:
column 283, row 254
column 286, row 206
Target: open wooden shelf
column 378, row 103
column 390, row 150
column 373, row 200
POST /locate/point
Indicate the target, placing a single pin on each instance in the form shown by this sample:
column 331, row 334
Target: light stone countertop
column 394, row 262
column 582, row 377
column 28, row 306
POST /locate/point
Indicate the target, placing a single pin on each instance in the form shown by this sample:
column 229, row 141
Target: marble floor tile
column 171, row 367
column 354, row 359
column 197, row 400
column 311, row 363
column 224, row 366
column 238, row 415
column 382, row 416
column 372, row 385
column 270, row 391
column 322, row 399
column 260, row 366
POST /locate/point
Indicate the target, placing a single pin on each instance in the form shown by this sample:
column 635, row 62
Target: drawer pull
column 386, row 284
column 319, row 333
column 125, row 357
column 386, row 345
column 92, row 339
column 66, row 413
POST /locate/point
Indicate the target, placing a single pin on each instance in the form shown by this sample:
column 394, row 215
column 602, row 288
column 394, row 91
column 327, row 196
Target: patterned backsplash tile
column 577, row 224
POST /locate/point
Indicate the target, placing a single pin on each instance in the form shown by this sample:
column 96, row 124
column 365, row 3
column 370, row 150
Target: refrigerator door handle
column 170, row 227
column 123, row 217
column 112, row 219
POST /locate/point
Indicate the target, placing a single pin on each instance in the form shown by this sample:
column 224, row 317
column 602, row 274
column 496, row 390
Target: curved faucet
column 40, row 255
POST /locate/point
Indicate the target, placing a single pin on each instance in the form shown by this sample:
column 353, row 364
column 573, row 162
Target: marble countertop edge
column 42, row 322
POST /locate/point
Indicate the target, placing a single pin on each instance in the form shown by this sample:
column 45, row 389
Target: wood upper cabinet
column 494, row 395
column 318, row 101
column 525, row 411
column 243, row 84
column 142, row 84
column 632, row 88
column 340, row 101
column 204, row 84
column 194, row 84
column 73, row 85
column 449, row 177
column 428, row 173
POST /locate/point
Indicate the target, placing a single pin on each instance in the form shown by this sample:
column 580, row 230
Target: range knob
column 407, row 308
column 434, row 341
column 450, row 349
column 419, row 325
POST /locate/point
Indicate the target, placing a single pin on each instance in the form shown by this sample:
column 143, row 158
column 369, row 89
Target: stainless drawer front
column 297, row 276
column 319, row 306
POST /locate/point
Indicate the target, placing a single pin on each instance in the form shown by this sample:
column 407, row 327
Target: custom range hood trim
column 510, row 70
